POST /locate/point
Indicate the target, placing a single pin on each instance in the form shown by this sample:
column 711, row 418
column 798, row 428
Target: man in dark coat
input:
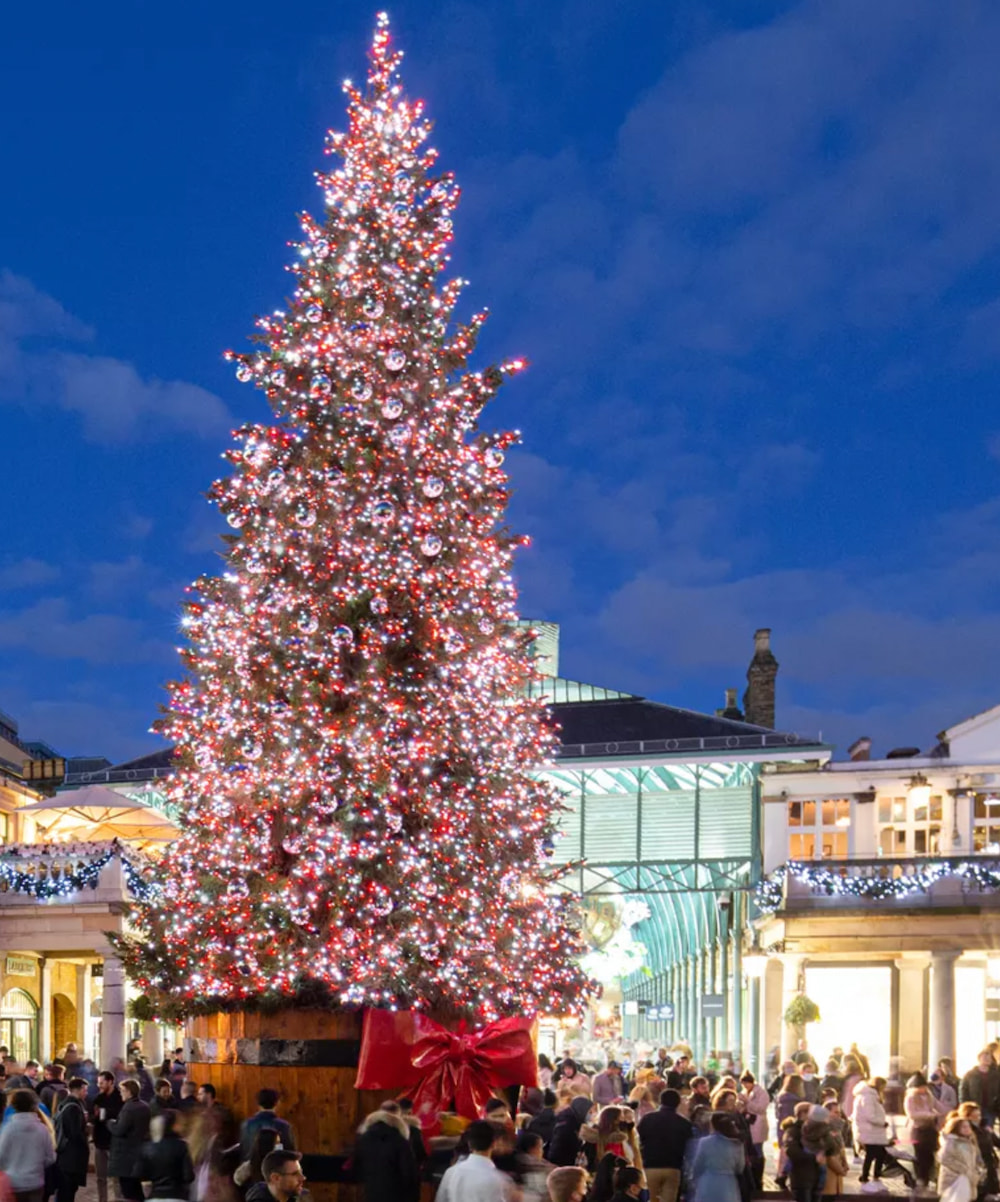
column 982, row 1086
column 105, row 1106
column 384, row 1159
column 663, row 1140
column 72, row 1148
column 129, row 1131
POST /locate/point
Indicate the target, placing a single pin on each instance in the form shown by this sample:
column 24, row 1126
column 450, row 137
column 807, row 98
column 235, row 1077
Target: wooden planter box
column 310, row 1057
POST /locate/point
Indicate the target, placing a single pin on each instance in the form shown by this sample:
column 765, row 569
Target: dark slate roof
column 144, row 767
column 635, row 725
column 87, row 763
column 164, row 758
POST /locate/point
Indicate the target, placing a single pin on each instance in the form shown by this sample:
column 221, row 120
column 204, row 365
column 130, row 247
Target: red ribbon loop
column 441, row 1069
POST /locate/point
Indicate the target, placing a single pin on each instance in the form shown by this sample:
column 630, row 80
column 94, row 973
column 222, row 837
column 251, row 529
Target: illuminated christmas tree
column 355, row 740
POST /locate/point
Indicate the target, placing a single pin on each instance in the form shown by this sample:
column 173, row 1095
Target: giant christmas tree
column 356, row 747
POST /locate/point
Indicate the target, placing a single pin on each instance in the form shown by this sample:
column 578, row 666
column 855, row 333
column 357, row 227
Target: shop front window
column 19, row 1024
column 986, row 823
column 818, row 830
column 910, row 825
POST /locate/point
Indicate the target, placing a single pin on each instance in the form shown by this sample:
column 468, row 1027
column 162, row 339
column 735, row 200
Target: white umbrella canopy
column 95, row 813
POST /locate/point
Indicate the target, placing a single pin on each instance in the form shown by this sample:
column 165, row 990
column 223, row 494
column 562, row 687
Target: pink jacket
column 755, row 1105
column 922, row 1109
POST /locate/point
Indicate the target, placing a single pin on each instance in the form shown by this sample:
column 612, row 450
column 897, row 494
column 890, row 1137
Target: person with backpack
column 72, row 1148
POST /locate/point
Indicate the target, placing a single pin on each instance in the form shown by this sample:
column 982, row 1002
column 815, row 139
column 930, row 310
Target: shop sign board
column 20, row 966
column 661, row 1013
column 713, row 1005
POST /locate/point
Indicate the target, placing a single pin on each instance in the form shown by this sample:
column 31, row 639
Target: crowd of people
column 664, row 1130
column 163, row 1137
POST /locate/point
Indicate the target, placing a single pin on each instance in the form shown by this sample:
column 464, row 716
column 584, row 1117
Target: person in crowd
column 283, row 1178
column 628, row 1183
column 861, row 1060
column 28, row 1078
column 788, row 1069
column 832, row 1079
column 564, row 1145
column 607, row 1086
column 72, row 1146
column 249, row 1172
column 532, row 1167
column 189, row 1098
column 961, row 1168
column 207, row 1097
column 129, row 1131
column 568, row 1073
column 165, row 1161
column 52, row 1088
column 718, row 1164
column 266, row 1116
column 680, row 1074
column 616, row 1133
column 923, row 1112
column 810, row 1081
column 944, row 1091
column 602, row 1187
column 27, row 1148
column 543, row 1123
column 982, row 1086
column 754, row 1102
column 383, row 1157
column 416, row 1132
column 138, row 1072
column 476, row 1178
column 946, row 1067
column 642, row 1102
column 987, row 1142
column 163, row 1098
column 105, row 1106
column 871, row 1126
column 545, row 1071
column 567, row 1184
column 802, row 1055
column 791, row 1094
column 804, row 1154
column 530, row 1102
column 497, row 1111
column 698, row 1104
column 850, row 1070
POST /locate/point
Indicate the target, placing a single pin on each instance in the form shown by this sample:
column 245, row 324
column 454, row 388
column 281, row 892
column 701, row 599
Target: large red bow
column 441, row 1069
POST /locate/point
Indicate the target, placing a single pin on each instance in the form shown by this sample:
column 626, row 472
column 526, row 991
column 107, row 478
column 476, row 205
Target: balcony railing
column 75, row 872
column 938, row 881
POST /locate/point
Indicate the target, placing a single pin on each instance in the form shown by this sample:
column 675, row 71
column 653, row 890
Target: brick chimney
column 860, row 749
column 758, row 700
column 730, row 709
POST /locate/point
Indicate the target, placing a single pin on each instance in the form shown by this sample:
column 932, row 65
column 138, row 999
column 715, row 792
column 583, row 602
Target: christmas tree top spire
column 358, row 753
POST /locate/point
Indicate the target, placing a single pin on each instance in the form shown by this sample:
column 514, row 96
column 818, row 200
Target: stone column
column 753, row 1060
column 942, row 1016
column 792, row 966
column 45, row 1011
column 113, row 1012
column 152, row 1045
column 910, row 1017
column 83, row 1009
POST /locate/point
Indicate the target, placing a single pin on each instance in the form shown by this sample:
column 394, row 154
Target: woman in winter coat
column 792, row 1093
column 871, row 1127
column 26, row 1147
column 923, row 1112
column 129, row 1131
column 961, row 1165
column 384, row 1159
column 853, row 1076
column 754, row 1103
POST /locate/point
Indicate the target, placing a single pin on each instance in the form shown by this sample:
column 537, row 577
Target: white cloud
column 114, row 401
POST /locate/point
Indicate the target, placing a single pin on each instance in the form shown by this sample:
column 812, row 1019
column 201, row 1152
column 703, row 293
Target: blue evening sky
column 752, row 250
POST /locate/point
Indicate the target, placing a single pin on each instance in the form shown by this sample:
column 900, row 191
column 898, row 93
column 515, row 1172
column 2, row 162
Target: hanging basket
column 801, row 1010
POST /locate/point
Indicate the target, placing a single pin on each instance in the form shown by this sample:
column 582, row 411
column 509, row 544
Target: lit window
column 819, row 829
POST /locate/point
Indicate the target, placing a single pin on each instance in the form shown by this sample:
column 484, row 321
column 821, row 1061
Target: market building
column 70, row 861
column 881, row 899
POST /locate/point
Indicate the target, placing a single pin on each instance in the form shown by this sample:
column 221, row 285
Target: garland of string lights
column 771, row 890
column 84, row 876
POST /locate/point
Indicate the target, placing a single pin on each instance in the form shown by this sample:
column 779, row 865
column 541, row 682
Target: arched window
column 19, row 1024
